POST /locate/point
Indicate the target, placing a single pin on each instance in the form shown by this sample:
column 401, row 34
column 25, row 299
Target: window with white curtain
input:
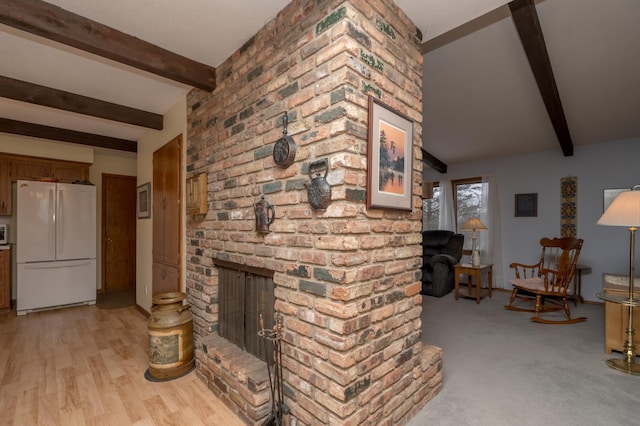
column 431, row 210
column 467, row 203
column 456, row 201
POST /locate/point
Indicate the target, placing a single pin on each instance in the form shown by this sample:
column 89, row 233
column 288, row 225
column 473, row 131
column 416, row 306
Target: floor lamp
column 474, row 224
column 625, row 211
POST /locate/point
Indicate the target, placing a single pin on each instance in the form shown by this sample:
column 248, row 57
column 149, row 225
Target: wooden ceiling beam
column 40, row 95
column 526, row 21
column 54, row 23
column 433, row 162
column 54, row 133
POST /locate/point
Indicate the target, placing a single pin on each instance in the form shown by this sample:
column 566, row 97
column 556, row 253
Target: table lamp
column 472, row 225
column 625, row 211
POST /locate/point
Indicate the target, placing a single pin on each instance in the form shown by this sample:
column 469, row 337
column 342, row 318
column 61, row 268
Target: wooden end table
column 477, row 273
column 577, row 284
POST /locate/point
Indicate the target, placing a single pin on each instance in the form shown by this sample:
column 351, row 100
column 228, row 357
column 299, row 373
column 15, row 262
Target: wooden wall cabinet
column 28, row 168
column 5, row 280
column 616, row 316
column 69, row 172
column 166, row 279
column 166, row 215
column 5, row 187
column 21, row 167
column 196, row 196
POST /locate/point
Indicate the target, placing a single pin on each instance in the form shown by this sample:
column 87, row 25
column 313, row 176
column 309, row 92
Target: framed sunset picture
column 389, row 158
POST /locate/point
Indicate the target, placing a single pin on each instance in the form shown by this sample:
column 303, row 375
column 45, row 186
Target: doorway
column 118, row 233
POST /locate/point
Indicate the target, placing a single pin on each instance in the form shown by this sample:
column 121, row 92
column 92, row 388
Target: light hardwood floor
column 85, row 366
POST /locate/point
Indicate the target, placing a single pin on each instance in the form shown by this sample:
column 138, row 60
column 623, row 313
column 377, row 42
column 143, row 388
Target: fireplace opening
column 244, row 295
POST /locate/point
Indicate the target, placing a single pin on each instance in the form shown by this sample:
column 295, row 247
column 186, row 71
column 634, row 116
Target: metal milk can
column 170, row 328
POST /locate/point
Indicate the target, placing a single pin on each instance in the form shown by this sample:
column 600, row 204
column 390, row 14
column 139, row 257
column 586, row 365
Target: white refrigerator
column 55, row 245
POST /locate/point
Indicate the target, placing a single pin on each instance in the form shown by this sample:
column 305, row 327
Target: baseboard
column 143, row 311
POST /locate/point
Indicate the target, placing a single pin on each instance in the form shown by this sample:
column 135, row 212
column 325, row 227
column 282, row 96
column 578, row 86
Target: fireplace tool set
column 278, row 407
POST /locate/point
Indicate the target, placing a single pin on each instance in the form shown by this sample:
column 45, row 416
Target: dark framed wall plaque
column 610, row 195
column 526, row 205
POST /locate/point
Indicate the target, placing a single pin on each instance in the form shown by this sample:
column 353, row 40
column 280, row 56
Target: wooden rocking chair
column 546, row 283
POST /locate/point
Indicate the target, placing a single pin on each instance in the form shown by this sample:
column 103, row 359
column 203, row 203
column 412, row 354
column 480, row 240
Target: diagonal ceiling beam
column 526, row 21
column 433, row 162
column 64, row 135
column 54, row 23
column 53, row 98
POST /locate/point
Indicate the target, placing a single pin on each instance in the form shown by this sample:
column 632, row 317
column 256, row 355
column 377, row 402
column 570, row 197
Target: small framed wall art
column 143, row 202
column 526, row 205
column 389, row 158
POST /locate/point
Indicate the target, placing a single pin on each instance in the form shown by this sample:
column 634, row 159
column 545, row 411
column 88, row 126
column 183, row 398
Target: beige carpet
column 116, row 299
column 501, row 369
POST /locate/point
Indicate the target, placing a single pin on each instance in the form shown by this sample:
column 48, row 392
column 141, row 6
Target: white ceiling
column 203, row 30
column 480, row 98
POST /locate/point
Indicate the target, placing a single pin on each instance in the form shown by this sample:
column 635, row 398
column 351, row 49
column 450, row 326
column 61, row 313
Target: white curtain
column 490, row 241
column 447, row 212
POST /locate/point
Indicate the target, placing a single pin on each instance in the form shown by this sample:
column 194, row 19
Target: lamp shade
column 624, row 210
column 473, row 224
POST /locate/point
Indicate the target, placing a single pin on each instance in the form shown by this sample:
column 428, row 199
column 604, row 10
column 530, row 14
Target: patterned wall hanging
column 569, row 207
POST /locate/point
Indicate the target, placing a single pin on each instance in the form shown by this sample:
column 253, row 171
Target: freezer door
column 35, row 213
column 53, row 284
column 76, row 222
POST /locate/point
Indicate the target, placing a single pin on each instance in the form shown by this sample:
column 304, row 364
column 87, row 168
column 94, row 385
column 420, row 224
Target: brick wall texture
column 347, row 278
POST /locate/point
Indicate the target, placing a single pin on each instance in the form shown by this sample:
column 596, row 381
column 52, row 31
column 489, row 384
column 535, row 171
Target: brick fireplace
column 346, row 280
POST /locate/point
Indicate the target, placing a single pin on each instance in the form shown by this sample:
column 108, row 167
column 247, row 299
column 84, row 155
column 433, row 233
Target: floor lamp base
column 624, row 366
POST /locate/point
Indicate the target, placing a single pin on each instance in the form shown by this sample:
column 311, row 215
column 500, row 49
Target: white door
column 76, row 222
column 35, row 233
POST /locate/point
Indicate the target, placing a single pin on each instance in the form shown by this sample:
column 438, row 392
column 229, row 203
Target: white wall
column 24, row 145
column 597, row 167
column 175, row 123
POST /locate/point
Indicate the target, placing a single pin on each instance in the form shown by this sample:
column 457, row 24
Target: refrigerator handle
column 52, row 220
column 60, row 221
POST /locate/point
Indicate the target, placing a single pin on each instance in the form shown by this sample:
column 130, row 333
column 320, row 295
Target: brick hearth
column 240, row 379
column 346, row 279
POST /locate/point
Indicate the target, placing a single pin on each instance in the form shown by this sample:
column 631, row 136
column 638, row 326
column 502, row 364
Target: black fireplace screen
column 243, row 297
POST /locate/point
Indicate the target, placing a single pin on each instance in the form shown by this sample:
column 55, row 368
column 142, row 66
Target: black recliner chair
column 441, row 250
